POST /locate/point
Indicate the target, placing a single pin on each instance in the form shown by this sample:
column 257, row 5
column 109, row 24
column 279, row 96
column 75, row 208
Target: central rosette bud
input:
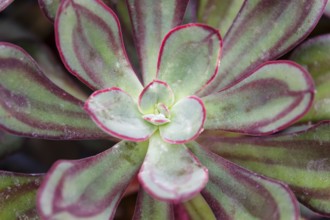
column 160, row 116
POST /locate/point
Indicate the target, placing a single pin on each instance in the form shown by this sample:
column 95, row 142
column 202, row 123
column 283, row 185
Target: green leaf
column 150, row 208
column 219, row 14
column 91, row 187
column 31, row 105
column 151, row 20
column 314, row 55
column 300, row 159
column 263, row 30
column 235, row 193
column 18, row 195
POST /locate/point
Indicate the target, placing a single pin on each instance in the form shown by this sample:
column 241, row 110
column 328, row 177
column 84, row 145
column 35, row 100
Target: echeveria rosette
column 89, row 40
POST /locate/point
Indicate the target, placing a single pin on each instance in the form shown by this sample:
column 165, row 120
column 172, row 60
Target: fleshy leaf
column 151, row 20
column 4, row 4
column 327, row 9
column 187, row 121
column 219, row 13
column 198, row 209
column 115, row 112
column 31, row 105
column 89, row 39
column 299, row 159
column 149, row 208
column 189, row 58
column 265, row 29
column 168, row 181
column 18, row 195
column 314, row 55
column 156, row 92
column 269, row 99
column 90, row 188
column 235, row 193
column 49, row 7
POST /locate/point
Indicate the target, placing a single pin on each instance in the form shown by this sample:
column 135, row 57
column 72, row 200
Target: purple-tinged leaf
column 189, row 58
column 115, row 112
column 269, row 99
column 198, row 209
column 265, row 30
column 18, row 195
column 156, row 92
column 4, row 4
column 31, row 105
column 90, row 188
column 149, row 208
column 219, row 14
column 89, row 39
column 299, row 159
column 151, row 20
column 314, row 55
column 235, row 193
column 167, row 180
column 9, row 143
column 187, row 120
column 49, row 8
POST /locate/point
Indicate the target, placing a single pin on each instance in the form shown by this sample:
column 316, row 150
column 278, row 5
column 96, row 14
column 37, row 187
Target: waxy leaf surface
column 89, row 39
column 151, row 21
column 235, row 193
column 219, row 14
column 167, row 180
column 115, row 112
column 298, row 159
column 272, row 97
column 189, row 58
column 148, row 207
column 265, row 29
column 90, row 188
column 18, row 195
column 31, row 105
column 314, row 55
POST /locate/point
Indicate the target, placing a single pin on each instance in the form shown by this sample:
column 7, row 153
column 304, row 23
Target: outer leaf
column 269, row 99
column 89, row 39
column 151, row 21
column 90, row 188
column 31, row 105
column 18, row 195
column 314, row 55
column 49, row 7
column 168, row 181
column 236, row 193
column 187, row 121
column 327, row 9
column 189, row 58
column 264, row 30
column 4, row 4
column 299, row 159
column 198, row 209
column 219, row 13
column 149, row 208
column 115, row 112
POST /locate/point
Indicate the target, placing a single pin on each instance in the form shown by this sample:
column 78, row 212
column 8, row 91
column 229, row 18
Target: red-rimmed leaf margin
column 89, row 39
column 18, row 195
column 265, row 30
column 235, row 193
column 151, row 20
column 298, row 157
column 4, row 4
column 90, row 187
column 150, row 208
column 31, row 105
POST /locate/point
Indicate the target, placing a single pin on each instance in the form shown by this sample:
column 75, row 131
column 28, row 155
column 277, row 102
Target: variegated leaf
column 18, row 196
column 235, row 193
column 299, row 157
column 264, row 29
column 31, row 105
column 90, row 188
column 89, row 39
column 151, row 21
column 269, row 99
column 314, row 55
